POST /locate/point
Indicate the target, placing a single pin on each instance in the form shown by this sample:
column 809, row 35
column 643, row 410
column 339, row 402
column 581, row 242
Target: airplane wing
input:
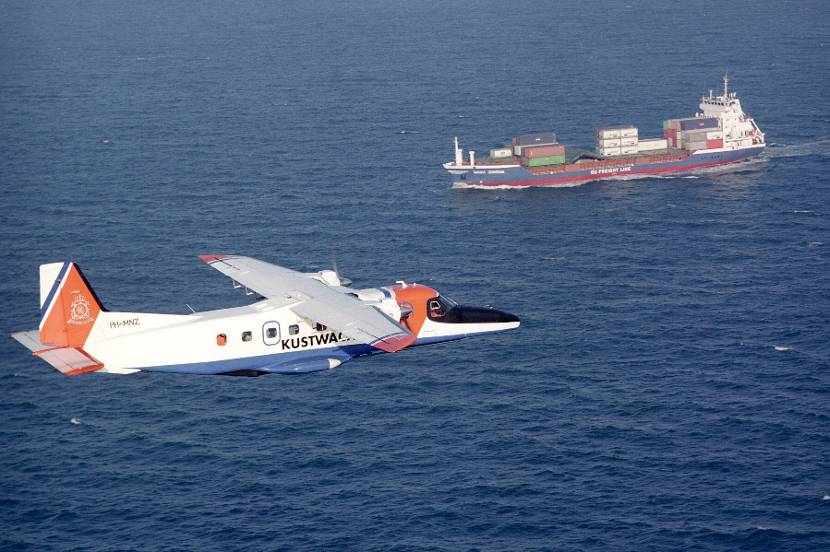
column 315, row 301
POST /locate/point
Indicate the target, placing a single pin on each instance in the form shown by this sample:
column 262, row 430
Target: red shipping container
column 710, row 144
column 543, row 151
column 670, row 133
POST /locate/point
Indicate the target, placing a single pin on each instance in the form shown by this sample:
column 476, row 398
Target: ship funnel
column 459, row 155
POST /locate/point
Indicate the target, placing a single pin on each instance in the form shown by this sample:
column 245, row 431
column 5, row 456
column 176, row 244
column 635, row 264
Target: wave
column 464, row 186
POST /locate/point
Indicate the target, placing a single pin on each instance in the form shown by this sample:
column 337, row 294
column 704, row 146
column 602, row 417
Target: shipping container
column 712, row 144
column 543, row 151
column 632, row 141
column 693, row 146
column 699, row 122
column 714, row 135
column 517, row 150
column 609, row 142
column 670, row 133
column 668, row 123
column 608, row 152
column 629, row 132
column 652, row 145
column 501, row 153
column 694, row 135
column 543, row 161
column 628, row 150
column 536, row 139
column 605, row 133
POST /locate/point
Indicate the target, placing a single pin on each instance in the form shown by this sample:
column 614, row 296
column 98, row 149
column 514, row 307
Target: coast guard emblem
column 79, row 310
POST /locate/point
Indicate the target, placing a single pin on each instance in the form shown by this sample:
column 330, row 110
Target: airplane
column 304, row 322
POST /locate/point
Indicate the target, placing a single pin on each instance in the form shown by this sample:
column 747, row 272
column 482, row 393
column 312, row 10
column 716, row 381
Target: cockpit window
column 439, row 307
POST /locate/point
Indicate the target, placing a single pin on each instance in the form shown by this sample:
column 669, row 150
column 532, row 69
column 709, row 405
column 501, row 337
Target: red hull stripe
column 600, row 176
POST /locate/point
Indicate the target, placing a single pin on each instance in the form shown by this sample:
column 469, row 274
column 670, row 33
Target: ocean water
column 668, row 388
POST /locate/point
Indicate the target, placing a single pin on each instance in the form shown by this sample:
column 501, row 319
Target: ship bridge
column 739, row 128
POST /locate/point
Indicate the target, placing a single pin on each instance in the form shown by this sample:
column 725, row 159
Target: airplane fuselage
column 274, row 335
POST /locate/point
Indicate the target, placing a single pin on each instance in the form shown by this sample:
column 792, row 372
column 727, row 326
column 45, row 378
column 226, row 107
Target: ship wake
column 819, row 147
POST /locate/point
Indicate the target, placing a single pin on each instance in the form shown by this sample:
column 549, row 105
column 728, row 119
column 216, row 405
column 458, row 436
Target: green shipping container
column 668, row 123
column 542, row 161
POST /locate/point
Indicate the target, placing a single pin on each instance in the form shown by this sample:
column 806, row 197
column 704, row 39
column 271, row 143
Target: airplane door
column 271, row 333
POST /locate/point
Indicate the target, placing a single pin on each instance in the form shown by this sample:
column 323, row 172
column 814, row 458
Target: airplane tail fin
column 68, row 306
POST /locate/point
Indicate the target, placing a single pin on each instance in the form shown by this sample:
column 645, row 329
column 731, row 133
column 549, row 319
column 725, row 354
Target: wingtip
column 207, row 259
column 395, row 342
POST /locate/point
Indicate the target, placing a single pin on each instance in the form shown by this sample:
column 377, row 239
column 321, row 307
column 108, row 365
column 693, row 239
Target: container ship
column 720, row 133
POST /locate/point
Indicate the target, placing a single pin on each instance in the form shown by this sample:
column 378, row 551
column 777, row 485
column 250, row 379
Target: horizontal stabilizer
column 30, row 340
column 69, row 361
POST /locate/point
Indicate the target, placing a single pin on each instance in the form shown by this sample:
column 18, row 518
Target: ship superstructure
column 720, row 133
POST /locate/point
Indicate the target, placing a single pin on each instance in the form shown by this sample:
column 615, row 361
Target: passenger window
column 293, row 329
column 247, row 336
column 221, row 340
column 271, row 333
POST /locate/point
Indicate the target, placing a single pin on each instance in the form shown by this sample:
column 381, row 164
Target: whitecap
column 802, row 211
column 781, row 348
column 75, row 421
column 826, row 497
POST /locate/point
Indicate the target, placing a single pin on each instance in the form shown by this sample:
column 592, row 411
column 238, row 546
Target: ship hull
column 518, row 176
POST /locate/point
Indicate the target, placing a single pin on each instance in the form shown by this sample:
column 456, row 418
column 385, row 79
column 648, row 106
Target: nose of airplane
column 468, row 314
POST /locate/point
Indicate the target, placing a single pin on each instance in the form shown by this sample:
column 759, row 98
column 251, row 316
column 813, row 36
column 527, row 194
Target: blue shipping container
column 695, row 124
column 536, row 139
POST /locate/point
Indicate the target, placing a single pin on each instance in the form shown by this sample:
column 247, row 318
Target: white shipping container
column 501, row 153
column 695, row 145
column 609, row 142
column 608, row 133
column 608, row 152
column 628, row 150
column 628, row 132
column 651, row 145
column 631, row 141
column 714, row 135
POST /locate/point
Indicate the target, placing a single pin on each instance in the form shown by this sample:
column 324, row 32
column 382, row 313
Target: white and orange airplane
column 306, row 322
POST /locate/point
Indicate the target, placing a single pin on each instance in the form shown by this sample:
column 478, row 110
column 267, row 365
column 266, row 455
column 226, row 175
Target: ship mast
column 725, row 84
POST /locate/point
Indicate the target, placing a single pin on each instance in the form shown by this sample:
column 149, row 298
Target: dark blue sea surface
column 668, row 388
